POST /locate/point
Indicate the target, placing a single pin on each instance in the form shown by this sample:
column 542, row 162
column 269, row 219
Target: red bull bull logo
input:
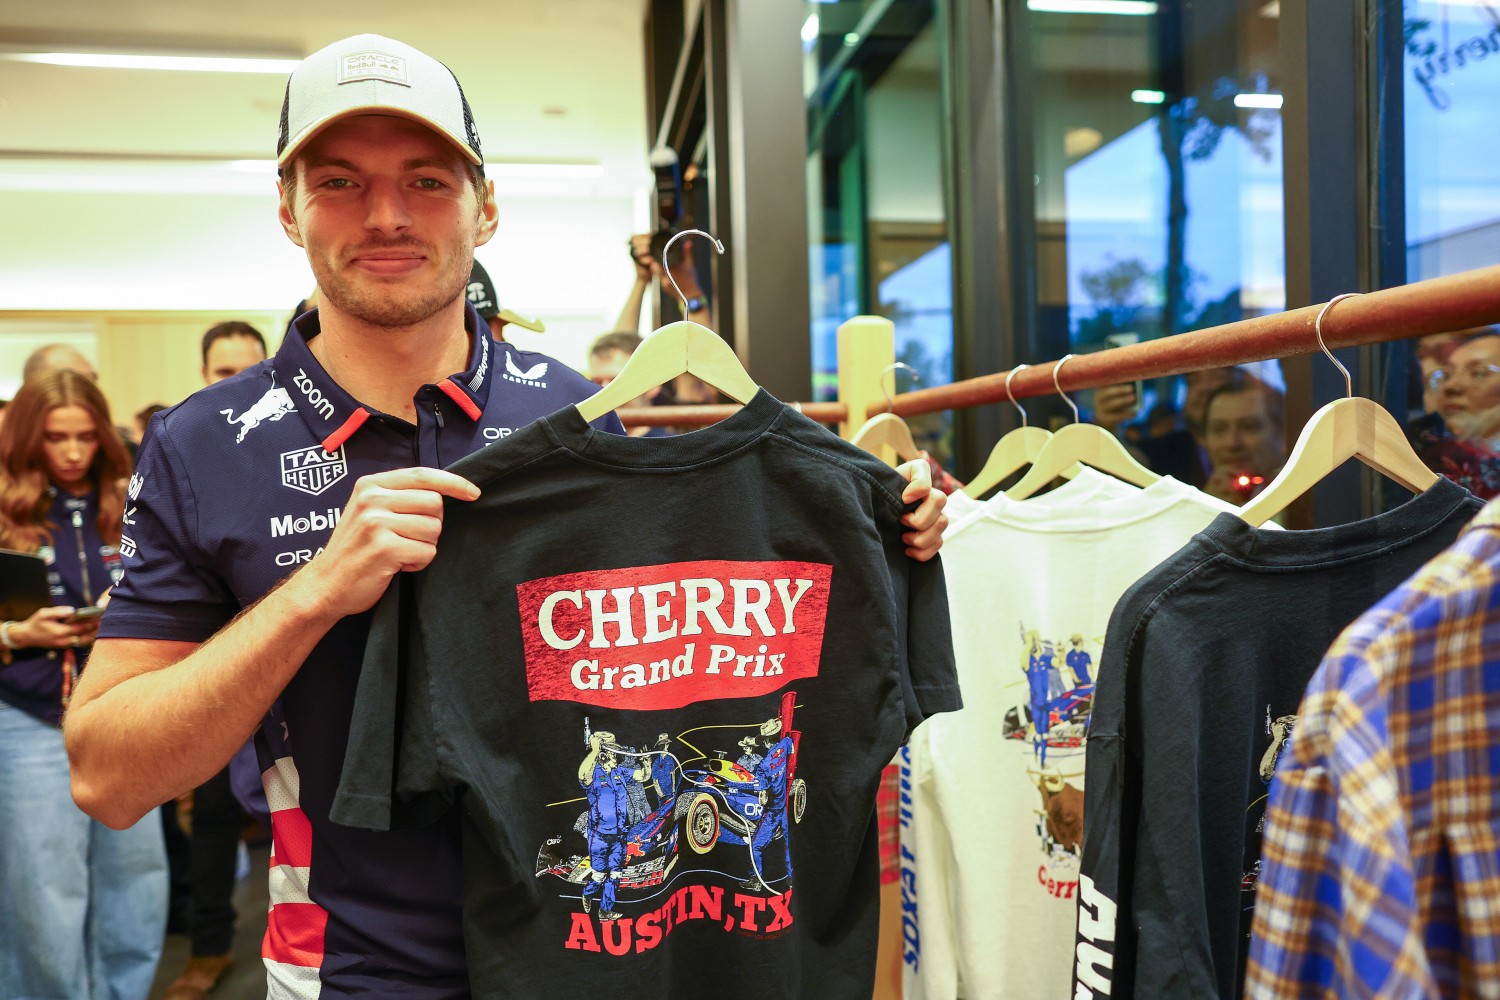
column 274, row 405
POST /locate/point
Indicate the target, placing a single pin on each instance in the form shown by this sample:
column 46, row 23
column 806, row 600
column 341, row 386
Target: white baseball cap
column 372, row 74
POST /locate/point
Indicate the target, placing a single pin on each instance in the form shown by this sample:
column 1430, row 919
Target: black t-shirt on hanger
column 662, row 676
column 1211, row 653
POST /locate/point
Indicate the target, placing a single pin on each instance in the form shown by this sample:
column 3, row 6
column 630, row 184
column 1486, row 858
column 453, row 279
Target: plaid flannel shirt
column 1381, row 861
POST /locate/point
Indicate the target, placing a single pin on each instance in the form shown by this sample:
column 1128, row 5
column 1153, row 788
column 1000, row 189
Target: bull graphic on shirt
column 275, row 404
column 651, row 807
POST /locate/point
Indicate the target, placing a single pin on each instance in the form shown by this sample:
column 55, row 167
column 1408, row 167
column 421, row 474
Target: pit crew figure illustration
column 608, row 783
column 1036, row 660
column 1079, row 661
column 706, row 807
column 748, row 758
column 771, row 772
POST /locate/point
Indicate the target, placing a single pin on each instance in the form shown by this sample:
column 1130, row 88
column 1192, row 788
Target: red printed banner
column 655, row 637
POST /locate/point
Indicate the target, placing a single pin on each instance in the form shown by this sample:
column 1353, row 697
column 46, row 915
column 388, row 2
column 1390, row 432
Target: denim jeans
column 83, row 908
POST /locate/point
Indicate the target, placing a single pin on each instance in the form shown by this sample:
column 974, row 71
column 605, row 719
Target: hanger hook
column 1318, row 329
column 891, row 403
column 1066, row 399
column 666, row 258
column 1012, row 396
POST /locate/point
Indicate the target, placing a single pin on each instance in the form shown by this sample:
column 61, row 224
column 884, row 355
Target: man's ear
column 287, row 216
column 489, row 215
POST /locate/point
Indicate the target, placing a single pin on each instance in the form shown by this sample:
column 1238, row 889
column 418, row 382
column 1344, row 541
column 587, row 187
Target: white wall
column 561, row 258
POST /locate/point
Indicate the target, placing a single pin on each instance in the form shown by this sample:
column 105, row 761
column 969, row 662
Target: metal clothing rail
column 1438, row 305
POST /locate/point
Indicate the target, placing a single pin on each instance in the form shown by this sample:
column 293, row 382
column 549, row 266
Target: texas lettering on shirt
column 666, row 636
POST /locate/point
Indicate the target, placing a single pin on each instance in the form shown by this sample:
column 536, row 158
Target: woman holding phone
column 82, row 907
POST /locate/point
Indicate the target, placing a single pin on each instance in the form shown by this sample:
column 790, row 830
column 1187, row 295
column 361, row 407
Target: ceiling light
column 810, row 29
column 1270, row 101
column 279, row 65
column 851, row 39
column 1149, row 96
column 1131, row 8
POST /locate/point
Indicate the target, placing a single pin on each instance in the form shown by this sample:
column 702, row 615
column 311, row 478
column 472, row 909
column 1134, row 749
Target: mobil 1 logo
column 312, row 470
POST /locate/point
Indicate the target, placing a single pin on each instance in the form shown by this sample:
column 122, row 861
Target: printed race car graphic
column 646, row 803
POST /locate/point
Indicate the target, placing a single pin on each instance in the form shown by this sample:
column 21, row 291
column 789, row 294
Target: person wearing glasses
column 1459, row 438
column 1468, row 390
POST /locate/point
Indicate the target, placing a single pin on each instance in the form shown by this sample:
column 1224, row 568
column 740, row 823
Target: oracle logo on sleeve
column 658, row 637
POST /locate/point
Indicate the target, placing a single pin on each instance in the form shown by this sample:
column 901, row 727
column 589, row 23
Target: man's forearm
column 630, row 316
column 148, row 723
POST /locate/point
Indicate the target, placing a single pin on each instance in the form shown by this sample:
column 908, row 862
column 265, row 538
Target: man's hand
column 391, row 525
column 1115, row 404
column 928, row 521
column 646, row 266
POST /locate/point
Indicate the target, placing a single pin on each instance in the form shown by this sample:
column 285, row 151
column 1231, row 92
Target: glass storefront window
column 879, row 233
column 1452, row 138
column 1157, row 153
column 1452, row 95
column 1156, row 145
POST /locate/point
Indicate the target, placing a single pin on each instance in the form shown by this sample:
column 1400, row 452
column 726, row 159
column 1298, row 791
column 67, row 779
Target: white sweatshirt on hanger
column 992, row 830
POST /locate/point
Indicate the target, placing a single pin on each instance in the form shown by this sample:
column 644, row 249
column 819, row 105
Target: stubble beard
column 390, row 306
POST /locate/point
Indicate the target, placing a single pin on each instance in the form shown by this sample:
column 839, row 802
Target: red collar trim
column 452, row 390
column 335, row 441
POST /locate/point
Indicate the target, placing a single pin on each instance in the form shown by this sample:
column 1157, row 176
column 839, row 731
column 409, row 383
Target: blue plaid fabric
column 1381, row 861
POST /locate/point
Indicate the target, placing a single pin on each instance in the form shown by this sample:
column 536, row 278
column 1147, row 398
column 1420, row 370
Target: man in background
column 229, row 348
column 55, row 356
column 213, row 844
column 217, row 819
column 1245, row 435
column 607, row 356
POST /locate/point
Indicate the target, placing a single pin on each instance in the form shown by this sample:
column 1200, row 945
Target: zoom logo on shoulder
column 314, row 396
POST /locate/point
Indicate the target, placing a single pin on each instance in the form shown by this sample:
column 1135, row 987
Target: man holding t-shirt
column 270, row 512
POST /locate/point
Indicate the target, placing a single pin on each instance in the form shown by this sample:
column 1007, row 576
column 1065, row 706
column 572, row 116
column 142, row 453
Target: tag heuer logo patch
column 312, row 470
column 373, row 66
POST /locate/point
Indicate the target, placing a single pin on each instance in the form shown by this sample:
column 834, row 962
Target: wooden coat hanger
column 886, row 429
column 1013, row 452
column 1089, row 444
column 682, row 348
column 1352, row 427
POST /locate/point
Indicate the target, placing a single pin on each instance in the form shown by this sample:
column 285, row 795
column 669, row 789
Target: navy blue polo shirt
column 236, row 487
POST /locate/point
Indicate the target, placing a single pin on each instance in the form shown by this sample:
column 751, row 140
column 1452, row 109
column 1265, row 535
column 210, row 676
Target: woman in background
column 82, row 907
